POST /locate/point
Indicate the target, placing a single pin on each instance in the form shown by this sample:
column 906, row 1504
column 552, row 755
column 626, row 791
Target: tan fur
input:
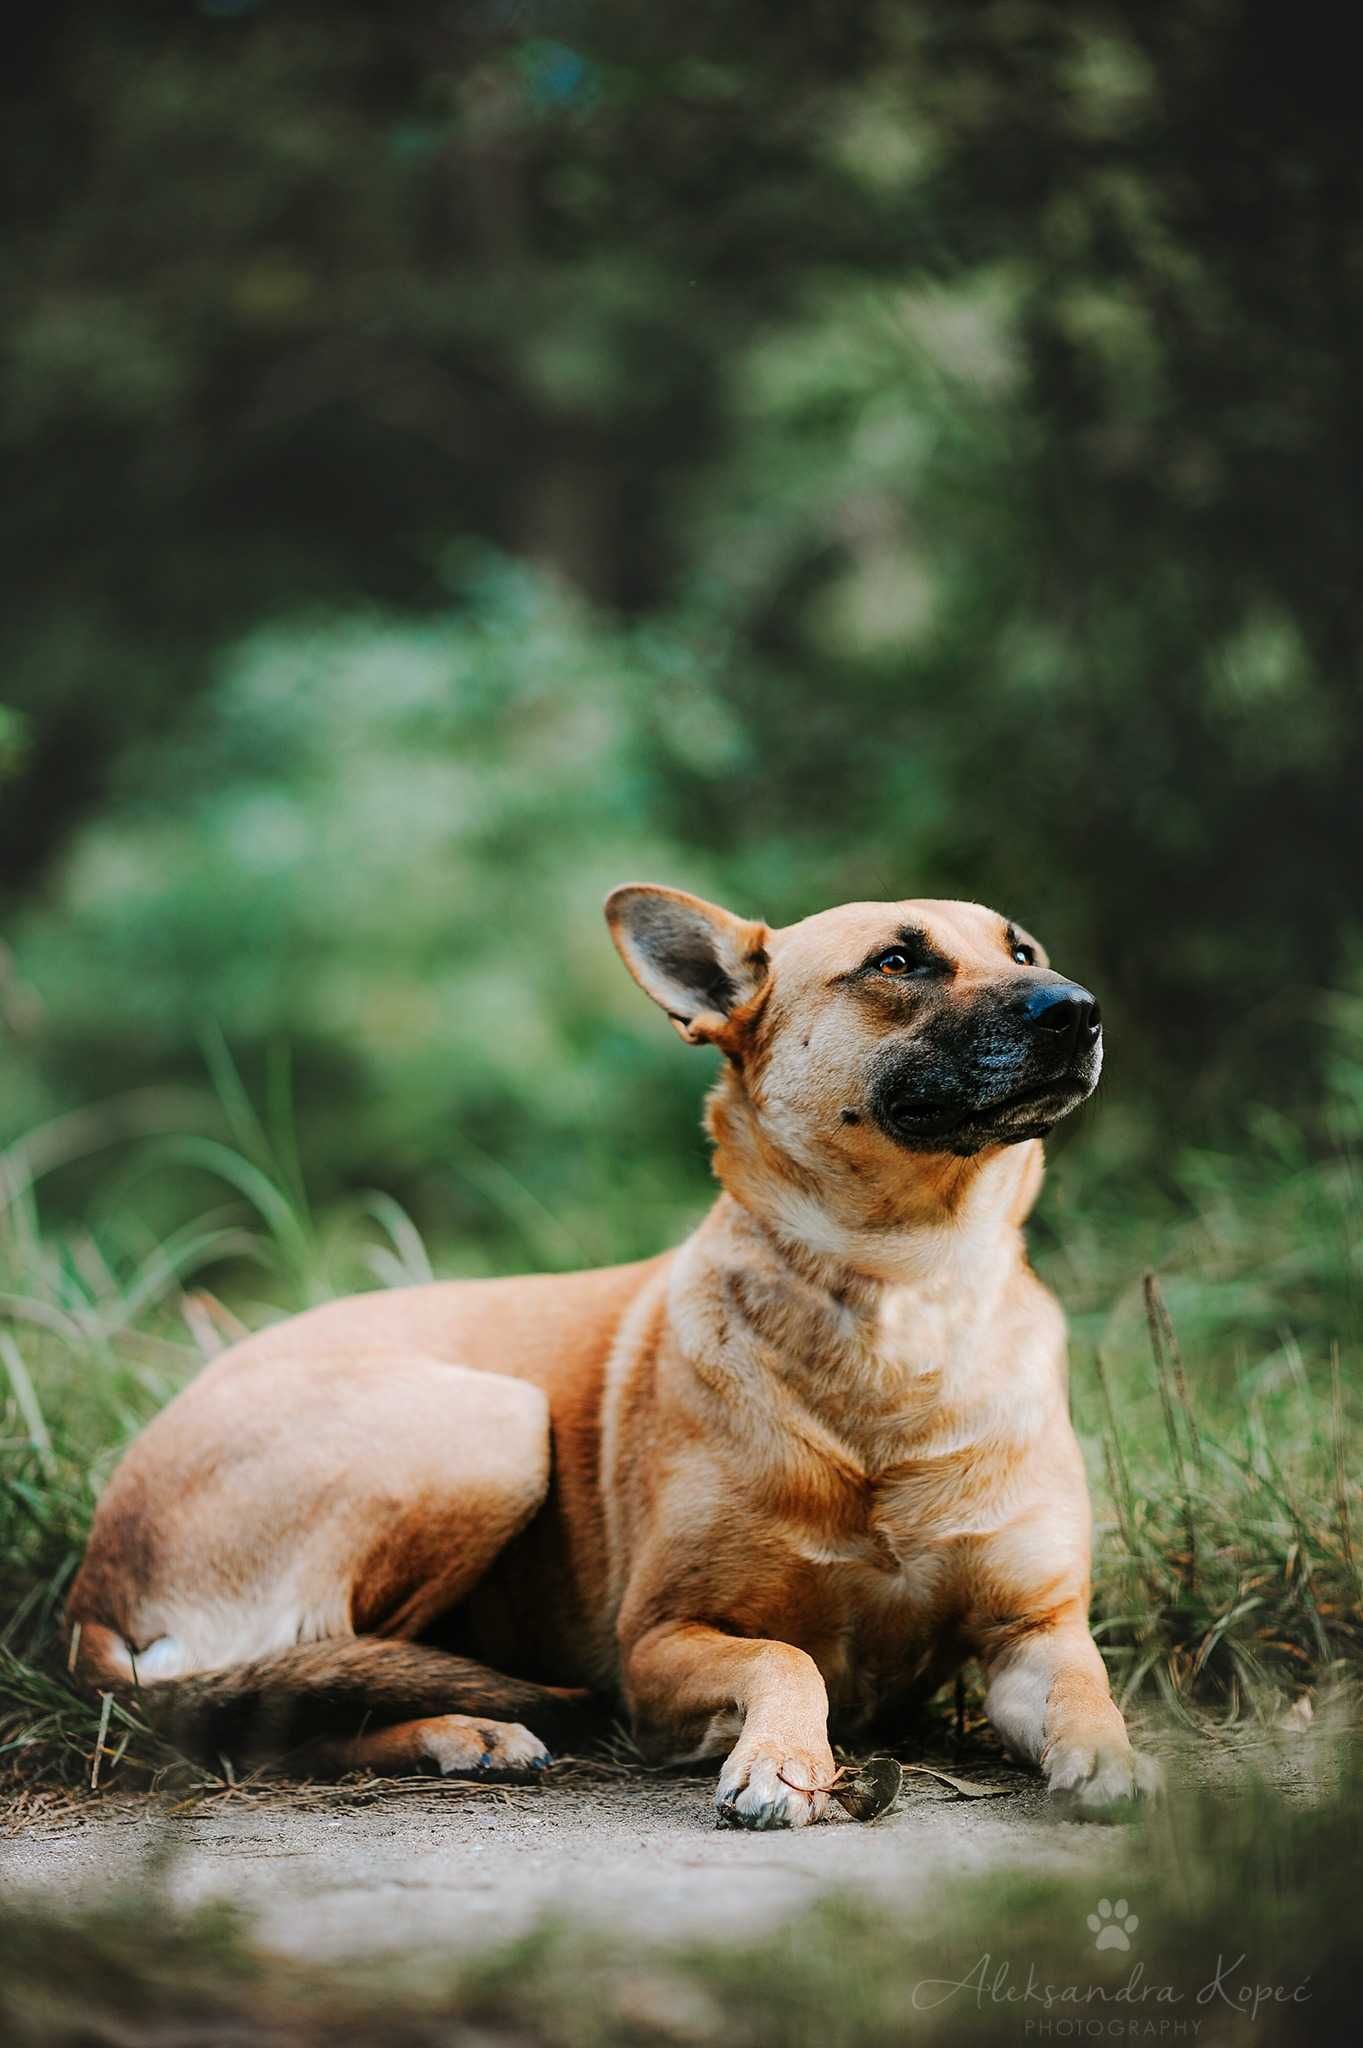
column 797, row 1470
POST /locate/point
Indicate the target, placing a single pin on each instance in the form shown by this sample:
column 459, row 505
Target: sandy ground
column 468, row 1867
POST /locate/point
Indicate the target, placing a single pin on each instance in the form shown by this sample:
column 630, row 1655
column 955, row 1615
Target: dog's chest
column 921, row 1472
column 893, row 1546
column 918, row 1446
column 885, row 1624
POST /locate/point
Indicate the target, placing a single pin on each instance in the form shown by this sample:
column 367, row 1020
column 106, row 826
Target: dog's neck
column 934, row 1224
column 866, row 1296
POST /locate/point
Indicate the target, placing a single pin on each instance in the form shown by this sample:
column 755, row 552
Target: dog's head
column 928, row 1027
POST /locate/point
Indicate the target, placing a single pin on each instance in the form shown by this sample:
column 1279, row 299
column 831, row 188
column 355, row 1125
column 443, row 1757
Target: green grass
column 1216, row 1402
column 1216, row 1349
column 1248, row 1930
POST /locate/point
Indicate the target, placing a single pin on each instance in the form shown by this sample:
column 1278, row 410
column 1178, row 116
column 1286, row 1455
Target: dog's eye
column 1024, row 954
column 893, row 962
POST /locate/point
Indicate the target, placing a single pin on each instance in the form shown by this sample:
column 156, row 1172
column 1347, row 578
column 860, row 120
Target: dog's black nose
column 1067, row 1010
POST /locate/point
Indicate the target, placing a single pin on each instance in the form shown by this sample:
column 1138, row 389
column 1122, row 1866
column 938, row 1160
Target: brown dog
column 799, row 1469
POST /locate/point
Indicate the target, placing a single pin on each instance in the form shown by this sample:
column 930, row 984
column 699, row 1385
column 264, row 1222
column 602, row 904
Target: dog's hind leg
column 269, row 1518
column 440, row 1745
column 364, row 1701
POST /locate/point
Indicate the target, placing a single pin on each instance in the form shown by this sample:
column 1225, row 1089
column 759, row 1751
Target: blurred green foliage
column 462, row 457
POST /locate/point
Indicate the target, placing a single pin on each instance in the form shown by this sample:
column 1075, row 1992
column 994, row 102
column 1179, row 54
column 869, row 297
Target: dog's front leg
column 689, row 1685
column 1050, row 1701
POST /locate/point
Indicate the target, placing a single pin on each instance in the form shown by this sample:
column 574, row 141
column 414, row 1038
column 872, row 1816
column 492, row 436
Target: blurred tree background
column 462, row 456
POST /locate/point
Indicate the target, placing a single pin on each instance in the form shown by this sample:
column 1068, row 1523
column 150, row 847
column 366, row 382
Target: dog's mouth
column 1023, row 1113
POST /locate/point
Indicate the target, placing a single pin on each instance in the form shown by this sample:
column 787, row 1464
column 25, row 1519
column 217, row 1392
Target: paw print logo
column 1112, row 1924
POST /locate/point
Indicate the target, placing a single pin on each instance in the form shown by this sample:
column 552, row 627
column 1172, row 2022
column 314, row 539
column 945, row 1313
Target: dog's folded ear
column 702, row 964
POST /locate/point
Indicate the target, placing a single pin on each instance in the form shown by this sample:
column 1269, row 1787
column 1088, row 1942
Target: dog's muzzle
column 1005, row 1071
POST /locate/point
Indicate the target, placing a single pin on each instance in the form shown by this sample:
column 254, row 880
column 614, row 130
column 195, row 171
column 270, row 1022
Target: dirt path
column 329, row 1877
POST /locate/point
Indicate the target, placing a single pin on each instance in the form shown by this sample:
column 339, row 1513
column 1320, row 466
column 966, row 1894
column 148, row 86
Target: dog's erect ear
column 701, row 963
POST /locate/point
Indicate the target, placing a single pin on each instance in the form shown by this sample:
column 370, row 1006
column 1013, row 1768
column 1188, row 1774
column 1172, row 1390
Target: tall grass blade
column 1157, row 1320
column 29, row 1407
column 1340, row 1462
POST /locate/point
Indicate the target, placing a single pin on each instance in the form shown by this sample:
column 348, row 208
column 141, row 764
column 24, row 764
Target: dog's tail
column 310, row 1692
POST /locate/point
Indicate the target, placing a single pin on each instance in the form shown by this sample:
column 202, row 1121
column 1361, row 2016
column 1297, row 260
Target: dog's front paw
column 1099, row 1775
column 766, row 1785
